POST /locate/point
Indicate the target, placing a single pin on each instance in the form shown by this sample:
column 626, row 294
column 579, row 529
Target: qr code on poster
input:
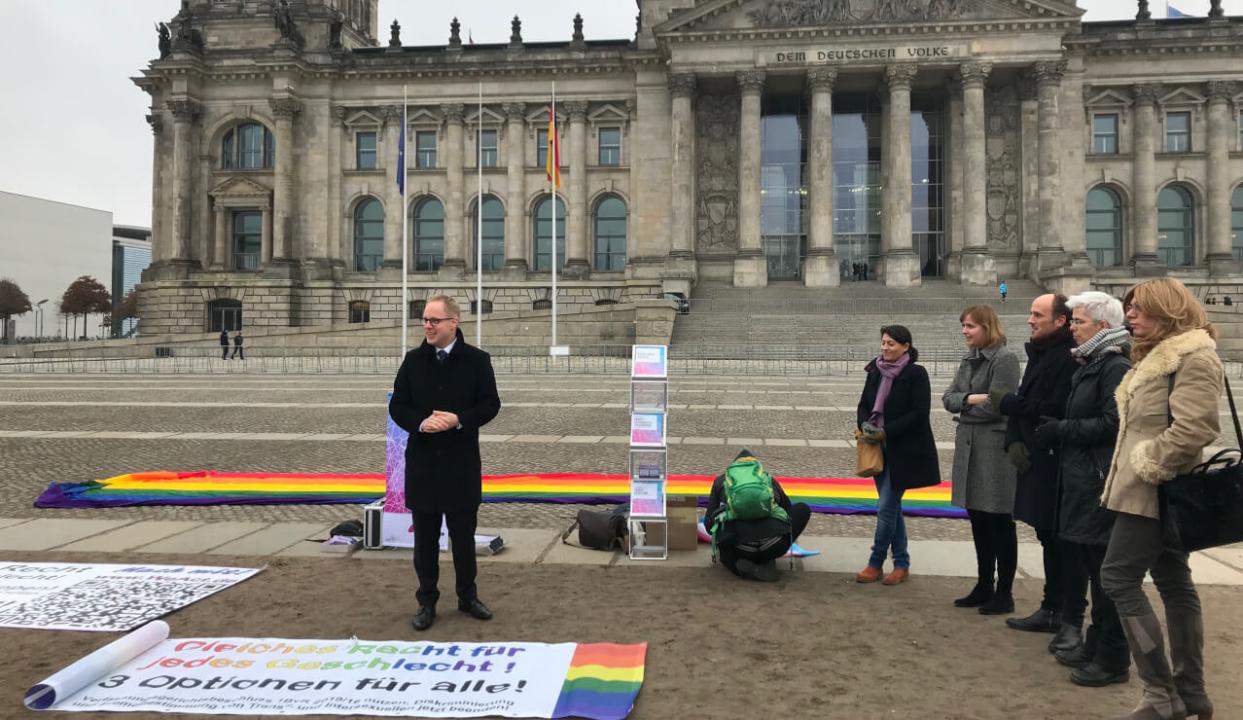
column 110, row 603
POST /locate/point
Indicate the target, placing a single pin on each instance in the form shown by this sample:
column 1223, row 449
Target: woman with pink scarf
column 894, row 412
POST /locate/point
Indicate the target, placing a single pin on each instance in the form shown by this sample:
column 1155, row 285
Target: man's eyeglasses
column 435, row 322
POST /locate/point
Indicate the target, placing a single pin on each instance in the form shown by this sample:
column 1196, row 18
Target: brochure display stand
column 649, row 404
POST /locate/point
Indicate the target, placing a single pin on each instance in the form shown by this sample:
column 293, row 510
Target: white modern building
column 131, row 254
column 44, row 246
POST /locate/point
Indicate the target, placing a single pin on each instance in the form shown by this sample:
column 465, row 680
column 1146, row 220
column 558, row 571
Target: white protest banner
column 93, row 596
column 272, row 676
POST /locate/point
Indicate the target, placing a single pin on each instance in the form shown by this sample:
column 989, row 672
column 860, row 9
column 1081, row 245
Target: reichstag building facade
column 741, row 141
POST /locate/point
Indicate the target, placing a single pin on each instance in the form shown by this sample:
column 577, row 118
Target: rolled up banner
column 107, row 659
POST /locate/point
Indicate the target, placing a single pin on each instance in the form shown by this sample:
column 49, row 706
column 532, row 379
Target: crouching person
column 751, row 519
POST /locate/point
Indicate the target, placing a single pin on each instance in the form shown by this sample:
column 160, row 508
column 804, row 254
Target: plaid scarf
column 1103, row 339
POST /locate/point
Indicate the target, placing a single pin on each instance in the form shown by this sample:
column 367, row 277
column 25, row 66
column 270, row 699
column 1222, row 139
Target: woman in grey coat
column 983, row 477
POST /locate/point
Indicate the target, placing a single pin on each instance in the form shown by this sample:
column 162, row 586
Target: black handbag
column 1203, row 508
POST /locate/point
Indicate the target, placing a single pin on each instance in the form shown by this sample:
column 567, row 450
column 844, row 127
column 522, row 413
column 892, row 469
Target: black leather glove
column 995, row 396
column 1020, row 457
column 1049, row 435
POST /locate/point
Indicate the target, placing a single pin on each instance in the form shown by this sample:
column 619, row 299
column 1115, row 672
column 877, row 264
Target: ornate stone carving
column 799, row 13
column 1220, row 90
column 716, row 202
column 339, row 114
column 455, row 113
column 455, row 34
column 515, row 31
column 185, row 110
column 1004, row 168
column 751, row 81
column 515, row 111
column 165, row 41
column 1049, row 72
column 1148, row 93
column 974, row 73
column 900, row 77
column 156, row 122
column 682, row 84
column 821, row 79
column 577, row 39
column 285, row 25
column 285, row 108
column 1144, row 13
column 391, row 113
column 576, row 109
column 394, row 36
column 1215, row 9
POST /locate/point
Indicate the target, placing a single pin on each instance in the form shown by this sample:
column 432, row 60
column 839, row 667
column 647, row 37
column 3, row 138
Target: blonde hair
column 1172, row 305
column 451, row 306
column 986, row 317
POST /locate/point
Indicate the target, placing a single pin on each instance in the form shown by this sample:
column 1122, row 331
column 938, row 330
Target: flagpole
column 552, row 191
column 405, row 246
column 479, row 225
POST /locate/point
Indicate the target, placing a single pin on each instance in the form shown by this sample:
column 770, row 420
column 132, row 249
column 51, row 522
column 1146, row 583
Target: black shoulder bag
column 1203, row 508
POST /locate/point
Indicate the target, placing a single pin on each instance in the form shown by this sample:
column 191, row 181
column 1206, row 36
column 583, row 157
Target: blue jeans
column 890, row 527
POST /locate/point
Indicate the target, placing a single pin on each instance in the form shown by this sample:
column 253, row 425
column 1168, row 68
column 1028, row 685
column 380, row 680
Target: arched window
column 543, row 234
column 360, row 311
column 1104, row 227
column 249, row 146
column 429, row 235
column 368, row 235
column 611, row 234
column 224, row 314
column 1236, row 222
column 1176, row 228
column 493, row 234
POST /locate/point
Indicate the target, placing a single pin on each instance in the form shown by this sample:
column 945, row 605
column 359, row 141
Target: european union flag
column 1173, row 12
column 401, row 156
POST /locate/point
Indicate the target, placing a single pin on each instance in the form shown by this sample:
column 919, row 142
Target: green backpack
column 749, row 494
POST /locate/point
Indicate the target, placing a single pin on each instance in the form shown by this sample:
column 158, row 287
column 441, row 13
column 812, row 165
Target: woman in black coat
column 894, row 411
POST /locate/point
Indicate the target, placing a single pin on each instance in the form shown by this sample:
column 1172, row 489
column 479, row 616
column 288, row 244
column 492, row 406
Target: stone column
column 338, row 256
column 954, row 180
column 977, row 263
column 265, row 235
column 821, row 269
column 1220, row 128
column 159, row 241
column 1144, row 182
column 454, row 267
column 1048, row 132
column 577, row 235
column 515, row 196
column 185, row 114
column 901, row 264
column 218, row 256
column 682, row 163
column 394, row 203
column 283, row 197
column 750, row 267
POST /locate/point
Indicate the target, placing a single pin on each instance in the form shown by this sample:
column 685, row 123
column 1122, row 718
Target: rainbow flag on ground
column 842, row 496
column 602, row 681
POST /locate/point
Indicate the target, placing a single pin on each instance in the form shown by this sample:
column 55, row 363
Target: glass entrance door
column 785, row 257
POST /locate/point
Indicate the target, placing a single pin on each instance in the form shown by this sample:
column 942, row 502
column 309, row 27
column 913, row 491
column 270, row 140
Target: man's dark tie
column 440, row 356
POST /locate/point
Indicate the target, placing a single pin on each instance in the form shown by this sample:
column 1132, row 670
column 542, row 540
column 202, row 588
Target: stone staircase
column 789, row 320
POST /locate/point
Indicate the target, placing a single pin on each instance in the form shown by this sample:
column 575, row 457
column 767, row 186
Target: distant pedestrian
column 237, row 346
column 224, row 344
column 1003, row 288
column 865, row 271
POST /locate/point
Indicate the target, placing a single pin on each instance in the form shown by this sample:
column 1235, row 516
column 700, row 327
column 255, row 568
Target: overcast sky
column 72, row 129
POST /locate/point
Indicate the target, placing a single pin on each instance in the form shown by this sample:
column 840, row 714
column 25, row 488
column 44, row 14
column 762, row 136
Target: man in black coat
column 1042, row 396
column 224, row 344
column 444, row 392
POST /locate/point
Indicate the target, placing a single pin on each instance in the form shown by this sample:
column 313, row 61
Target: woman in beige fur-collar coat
column 1172, row 336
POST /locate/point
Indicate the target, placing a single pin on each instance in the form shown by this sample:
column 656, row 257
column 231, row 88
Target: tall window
column 425, row 149
column 249, row 146
column 487, row 146
column 856, row 183
column 247, row 239
column 541, row 148
column 493, row 235
column 360, row 311
column 611, row 234
column 364, row 151
column 368, row 235
column 783, row 168
column 1104, row 227
column 543, row 234
column 224, row 314
column 928, row 186
column 1105, row 134
column 1178, row 132
column 1176, row 226
column 429, row 235
column 610, row 146
column 1236, row 222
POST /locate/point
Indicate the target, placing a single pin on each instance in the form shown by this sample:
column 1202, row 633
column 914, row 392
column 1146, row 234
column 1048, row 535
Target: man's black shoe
column 424, row 618
column 1068, row 638
column 1093, row 675
column 475, row 609
column 1077, row 658
column 762, row 572
column 1040, row 621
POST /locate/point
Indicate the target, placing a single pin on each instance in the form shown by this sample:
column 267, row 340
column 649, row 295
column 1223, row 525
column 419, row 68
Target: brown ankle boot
column 897, row 577
column 869, row 574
